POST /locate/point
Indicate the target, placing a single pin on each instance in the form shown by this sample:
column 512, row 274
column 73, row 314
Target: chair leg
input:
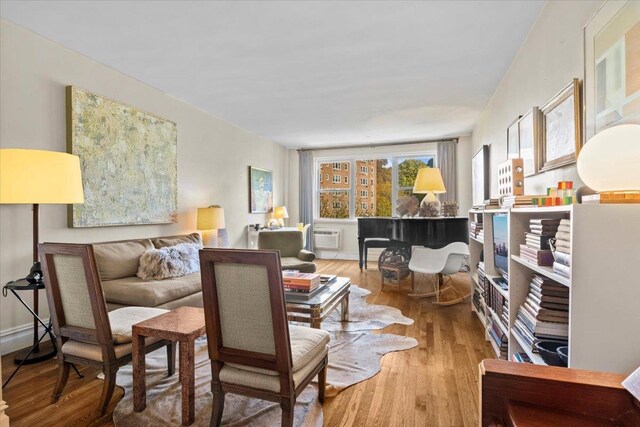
column 171, row 358
column 108, row 387
column 322, row 380
column 218, row 404
column 63, row 376
column 287, row 406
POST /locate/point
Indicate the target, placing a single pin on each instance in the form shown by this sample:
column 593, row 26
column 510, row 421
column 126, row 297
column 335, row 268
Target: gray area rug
column 353, row 357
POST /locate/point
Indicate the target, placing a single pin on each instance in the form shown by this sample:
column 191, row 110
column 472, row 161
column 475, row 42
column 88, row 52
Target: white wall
column 213, row 156
column 349, row 227
column 549, row 58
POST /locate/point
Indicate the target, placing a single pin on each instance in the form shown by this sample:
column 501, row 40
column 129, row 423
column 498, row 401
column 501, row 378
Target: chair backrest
column 245, row 310
column 74, row 292
column 289, row 243
column 446, row 260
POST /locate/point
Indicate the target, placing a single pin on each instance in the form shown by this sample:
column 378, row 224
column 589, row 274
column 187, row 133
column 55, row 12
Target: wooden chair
column 252, row 349
column 85, row 333
column 520, row 394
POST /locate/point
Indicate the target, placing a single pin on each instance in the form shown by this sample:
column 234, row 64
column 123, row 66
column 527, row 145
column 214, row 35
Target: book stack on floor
column 499, row 339
column 475, row 227
column 536, row 248
column 562, row 255
column 304, row 283
column 545, row 313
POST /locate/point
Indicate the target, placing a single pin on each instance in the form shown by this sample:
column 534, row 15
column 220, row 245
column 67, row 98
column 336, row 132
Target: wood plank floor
column 435, row 384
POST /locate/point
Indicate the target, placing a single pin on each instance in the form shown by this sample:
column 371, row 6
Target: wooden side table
column 184, row 325
column 397, row 270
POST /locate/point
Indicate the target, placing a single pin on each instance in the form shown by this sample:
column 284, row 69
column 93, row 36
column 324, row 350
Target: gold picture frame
column 561, row 128
column 529, row 139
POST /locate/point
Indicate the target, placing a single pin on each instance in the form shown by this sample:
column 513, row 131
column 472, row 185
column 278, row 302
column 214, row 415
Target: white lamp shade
column 610, row 161
column 280, row 212
column 429, row 180
column 211, row 218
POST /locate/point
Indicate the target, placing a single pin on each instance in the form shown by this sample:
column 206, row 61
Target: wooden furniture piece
column 293, row 256
column 85, row 332
column 434, row 232
column 398, row 270
column 253, row 350
column 315, row 309
column 603, row 295
column 521, row 394
column 183, row 325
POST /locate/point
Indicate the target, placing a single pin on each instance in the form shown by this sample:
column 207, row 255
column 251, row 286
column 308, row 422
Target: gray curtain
column 447, row 165
column 306, row 193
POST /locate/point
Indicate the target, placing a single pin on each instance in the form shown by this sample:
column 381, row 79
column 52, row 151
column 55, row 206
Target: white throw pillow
column 172, row 261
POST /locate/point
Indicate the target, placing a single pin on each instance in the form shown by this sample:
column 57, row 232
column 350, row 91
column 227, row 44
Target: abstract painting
column 260, row 190
column 612, row 66
column 528, row 135
column 128, row 160
column 513, row 140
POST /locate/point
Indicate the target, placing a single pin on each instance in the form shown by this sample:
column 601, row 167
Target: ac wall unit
column 326, row 239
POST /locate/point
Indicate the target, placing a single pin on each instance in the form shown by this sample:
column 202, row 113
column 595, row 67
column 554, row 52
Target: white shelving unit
column 604, row 311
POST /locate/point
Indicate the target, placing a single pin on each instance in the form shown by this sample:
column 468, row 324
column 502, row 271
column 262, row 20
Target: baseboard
column 327, row 255
column 19, row 337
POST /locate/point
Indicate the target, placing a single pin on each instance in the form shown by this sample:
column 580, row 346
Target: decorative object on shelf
column 210, row 221
column 548, row 350
column 39, row 177
column 480, row 176
column 407, row 206
column 280, row 213
column 511, row 178
column 561, row 195
column 561, row 128
column 611, row 77
column 529, row 137
column 608, row 163
column 260, row 190
column 513, row 139
column 122, row 150
column 450, row 209
column 429, row 181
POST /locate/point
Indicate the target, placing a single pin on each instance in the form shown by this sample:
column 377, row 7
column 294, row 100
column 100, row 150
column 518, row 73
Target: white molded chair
column 441, row 262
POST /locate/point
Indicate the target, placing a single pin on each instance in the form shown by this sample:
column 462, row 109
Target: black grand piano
column 435, row 233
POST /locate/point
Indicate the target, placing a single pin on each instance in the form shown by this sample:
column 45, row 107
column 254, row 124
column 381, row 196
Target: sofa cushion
column 119, row 259
column 150, row 293
column 292, row 263
column 163, row 242
column 94, row 351
column 123, row 319
column 170, row 261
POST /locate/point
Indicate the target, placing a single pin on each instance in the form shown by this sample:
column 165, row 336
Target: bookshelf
column 604, row 288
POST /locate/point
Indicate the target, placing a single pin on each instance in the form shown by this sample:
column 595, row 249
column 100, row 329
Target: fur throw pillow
column 172, row 261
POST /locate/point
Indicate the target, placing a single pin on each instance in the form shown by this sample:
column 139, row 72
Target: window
column 346, row 179
column 363, row 193
column 364, row 169
column 336, row 179
column 326, row 176
column 363, row 181
column 337, row 205
column 346, row 166
column 335, row 194
column 337, row 166
column 363, row 206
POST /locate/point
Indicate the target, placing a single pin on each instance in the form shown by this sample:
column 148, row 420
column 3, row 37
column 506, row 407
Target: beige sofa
column 118, row 265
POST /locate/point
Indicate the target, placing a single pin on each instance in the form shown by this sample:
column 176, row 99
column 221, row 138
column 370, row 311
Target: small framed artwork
column 260, row 190
column 513, row 140
column 611, row 73
column 480, row 176
column 529, row 137
column 561, row 128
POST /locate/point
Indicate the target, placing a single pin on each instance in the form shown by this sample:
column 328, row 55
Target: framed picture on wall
column 260, row 190
column 513, row 140
column 529, row 137
column 561, row 128
column 480, row 176
column 611, row 70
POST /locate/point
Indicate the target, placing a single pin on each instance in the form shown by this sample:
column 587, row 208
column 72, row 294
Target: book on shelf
column 562, row 270
column 521, row 357
column 539, row 327
column 545, row 221
column 562, row 258
column 537, row 241
column 536, row 256
column 563, row 236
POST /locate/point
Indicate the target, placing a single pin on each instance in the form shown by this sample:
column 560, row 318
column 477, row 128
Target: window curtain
column 306, row 193
column 447, row 164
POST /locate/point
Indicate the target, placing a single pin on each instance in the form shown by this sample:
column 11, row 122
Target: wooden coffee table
column 317, row 308
column 184, row 325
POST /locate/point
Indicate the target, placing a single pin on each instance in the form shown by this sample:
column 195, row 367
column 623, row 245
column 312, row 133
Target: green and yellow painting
column 128, row 160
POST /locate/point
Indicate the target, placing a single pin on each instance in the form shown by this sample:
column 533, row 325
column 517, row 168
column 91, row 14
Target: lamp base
column 430, row 206
column 44, row 352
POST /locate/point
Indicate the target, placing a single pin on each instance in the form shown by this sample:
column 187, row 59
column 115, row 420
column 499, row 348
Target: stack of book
column 482, row 281
column 499, row 339
column 300, row 282
column 491, row 204
column 536, row 248
column 476, row 230
column 517, row 201
column 545, row 313
column 562, row 255
column 521, row 358
column 499, row 304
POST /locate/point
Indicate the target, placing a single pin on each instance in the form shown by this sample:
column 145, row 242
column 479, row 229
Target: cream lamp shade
column 429, row 180
column 39, row 177
column 280, row 212
column 610, row 160
column 211, row 218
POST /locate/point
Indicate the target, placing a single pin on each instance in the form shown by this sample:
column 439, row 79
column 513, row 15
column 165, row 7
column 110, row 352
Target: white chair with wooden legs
column 442, row 262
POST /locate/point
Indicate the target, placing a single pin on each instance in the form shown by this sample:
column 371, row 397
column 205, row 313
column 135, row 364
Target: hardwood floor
column 433, row 384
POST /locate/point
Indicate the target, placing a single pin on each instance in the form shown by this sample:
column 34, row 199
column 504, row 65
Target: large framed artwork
column 260, row 190
column 513, row 140
column 612, row 67
column 529, row 137
column 128, row 160
column 561, row 128
column 480, row 176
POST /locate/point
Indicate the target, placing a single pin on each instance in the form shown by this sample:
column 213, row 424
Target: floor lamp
column 38, row 177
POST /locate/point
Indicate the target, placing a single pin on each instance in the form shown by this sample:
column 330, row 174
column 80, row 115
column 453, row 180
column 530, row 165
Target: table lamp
column 279, row 213
column 608, row 163
column 38, row 177
column 429, row 182
column 210, row 220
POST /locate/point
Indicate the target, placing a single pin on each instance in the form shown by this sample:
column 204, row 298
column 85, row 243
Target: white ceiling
column 304, row 73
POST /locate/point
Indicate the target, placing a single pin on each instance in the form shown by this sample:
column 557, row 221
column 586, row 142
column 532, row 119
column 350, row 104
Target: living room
column 442, row 167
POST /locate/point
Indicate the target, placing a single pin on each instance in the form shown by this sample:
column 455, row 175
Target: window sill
column 335, row 221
